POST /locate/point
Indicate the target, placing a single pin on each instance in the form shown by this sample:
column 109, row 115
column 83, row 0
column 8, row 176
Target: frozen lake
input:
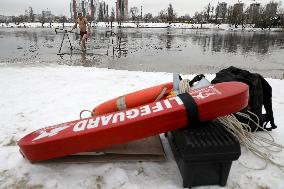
column 169, row 50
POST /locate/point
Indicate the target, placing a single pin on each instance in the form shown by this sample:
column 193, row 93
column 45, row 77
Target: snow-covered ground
column 32, row 97
column 142, row 25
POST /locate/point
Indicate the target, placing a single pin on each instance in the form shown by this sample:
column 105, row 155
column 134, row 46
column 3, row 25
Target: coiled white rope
column 184, row 86
column 258, row 145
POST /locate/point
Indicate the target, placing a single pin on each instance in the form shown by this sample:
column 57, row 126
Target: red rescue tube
column 134, row 99
column 121, row 127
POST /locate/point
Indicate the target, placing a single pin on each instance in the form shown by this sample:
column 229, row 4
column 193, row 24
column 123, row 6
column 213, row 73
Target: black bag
column 260, row 94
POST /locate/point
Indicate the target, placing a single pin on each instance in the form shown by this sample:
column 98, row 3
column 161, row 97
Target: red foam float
column 123, row 126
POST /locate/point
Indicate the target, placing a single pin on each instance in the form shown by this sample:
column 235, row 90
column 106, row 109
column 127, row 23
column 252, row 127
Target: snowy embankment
column 142, row 25
column 32, row 97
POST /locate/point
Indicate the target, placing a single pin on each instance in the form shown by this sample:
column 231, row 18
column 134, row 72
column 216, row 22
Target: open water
column 168, row 50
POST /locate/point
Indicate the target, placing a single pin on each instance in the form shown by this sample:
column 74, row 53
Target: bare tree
column 148, row 17
column 217, row 14
column 185, row 18
column 230, row 14
column 101, row 12
column 50, row 20
column 223, row 13
column 62, row 19
column 31, row 14
column 199, row 17
column 135, row 13
column 112, row 17
column 92, row 7
column 20, row 19
column 270, row 13
column 253, row 14
column 156, row 19
column 237, row 16
column 42, row 19
column 104, row 7
column 212, row 11
column 282, row 20
column 207, row 12
column 171, row 14
column 105, row 13
column 163, row 15
column 281, row 14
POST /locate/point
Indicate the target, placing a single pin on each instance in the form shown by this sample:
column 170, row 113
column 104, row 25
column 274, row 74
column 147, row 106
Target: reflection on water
column 233, row 42
column 222, row 41
column 146, row 49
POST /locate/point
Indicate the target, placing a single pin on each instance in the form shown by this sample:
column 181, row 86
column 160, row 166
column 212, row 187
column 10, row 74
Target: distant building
column 37, row 17
column 254, row 8
column 221, row 11
column 238, row 8
column 121, row 9
column 271, row 8
column 254, row 11
column 46, row 15
column 236, row 14
column 29, row 14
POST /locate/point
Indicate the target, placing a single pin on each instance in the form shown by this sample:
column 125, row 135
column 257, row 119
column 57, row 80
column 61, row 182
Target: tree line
column 42, row 19
column 268, row 15
column 258, row 15
column 29, row 16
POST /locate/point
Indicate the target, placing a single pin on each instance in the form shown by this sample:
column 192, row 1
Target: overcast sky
column 61, row 7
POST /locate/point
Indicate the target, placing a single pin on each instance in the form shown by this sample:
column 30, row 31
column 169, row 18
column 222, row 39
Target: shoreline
column 115, row 25
column 194, row 69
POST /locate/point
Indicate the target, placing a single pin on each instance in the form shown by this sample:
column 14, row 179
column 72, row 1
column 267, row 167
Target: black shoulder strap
column 267, row 103
column 195, row 79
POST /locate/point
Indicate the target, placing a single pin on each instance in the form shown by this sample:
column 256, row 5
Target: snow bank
column 228, row 27
column 36, row 96
column 35, row 25
column 156, row 25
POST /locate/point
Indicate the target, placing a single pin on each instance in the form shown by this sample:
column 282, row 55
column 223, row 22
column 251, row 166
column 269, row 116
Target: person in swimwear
column 83, row 24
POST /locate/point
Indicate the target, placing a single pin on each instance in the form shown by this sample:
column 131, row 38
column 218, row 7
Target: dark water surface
column 169, row 50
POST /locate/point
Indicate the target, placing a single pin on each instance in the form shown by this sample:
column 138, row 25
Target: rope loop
column 261, row 145
column 92, row 114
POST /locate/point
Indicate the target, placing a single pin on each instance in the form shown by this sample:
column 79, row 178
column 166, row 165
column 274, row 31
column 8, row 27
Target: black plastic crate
column 204, row 154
